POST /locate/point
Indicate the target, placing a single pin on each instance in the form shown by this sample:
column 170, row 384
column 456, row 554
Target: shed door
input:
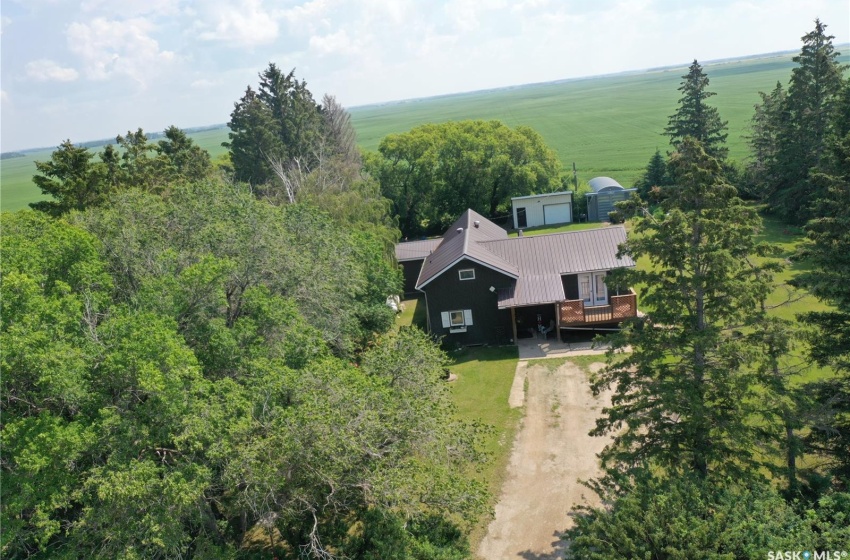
column 557, row 213
column 521, row 220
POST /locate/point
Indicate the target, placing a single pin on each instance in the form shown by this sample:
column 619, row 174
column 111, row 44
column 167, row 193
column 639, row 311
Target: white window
column 457, row 321
column 466, row 274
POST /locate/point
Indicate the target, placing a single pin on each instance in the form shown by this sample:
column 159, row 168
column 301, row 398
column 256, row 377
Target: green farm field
column 606, row 125
column 17, row 189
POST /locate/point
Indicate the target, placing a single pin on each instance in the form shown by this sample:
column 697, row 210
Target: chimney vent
column 477, row 223
column 460, row 230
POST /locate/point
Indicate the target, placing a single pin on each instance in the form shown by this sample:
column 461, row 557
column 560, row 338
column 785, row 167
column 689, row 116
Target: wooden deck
column 573, row 312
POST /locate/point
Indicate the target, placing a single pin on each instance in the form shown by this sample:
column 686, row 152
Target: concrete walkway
column 533, row 348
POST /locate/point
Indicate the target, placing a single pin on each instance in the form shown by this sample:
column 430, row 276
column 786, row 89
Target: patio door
column 592, row 289
column 600, row 291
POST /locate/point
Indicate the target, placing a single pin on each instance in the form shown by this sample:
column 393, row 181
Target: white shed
column 542, row 209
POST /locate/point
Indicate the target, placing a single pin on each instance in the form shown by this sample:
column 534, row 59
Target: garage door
column 557, row 213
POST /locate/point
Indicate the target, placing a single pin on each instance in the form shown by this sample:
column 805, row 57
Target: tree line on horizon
column 204, row 352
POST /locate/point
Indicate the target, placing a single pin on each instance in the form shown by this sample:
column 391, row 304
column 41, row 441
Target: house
column 410, row 255
column 542, row 209
column 605, row 192
column 482, row 287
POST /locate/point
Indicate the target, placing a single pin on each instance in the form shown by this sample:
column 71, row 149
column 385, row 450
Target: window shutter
column 446, row 320
column 467, row 317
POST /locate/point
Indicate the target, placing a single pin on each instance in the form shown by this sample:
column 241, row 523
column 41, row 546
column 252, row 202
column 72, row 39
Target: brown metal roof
column 416, row 250
column 457, row 245
column 542, row 259
column 535, row 262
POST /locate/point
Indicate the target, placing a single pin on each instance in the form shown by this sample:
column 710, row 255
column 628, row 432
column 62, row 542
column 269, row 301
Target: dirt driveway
column 551, row 453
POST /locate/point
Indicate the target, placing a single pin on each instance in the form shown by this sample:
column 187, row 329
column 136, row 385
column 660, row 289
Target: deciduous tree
column 436, row 171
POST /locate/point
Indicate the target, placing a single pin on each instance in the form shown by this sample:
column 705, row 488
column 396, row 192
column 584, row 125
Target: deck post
column 558, row 321
column 513, row 324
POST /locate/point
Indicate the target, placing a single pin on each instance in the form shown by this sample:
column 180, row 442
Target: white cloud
column 247, row 24
column 310, row 17
column 204, row 83
column 44, row 70
column 338, row 43
column 111, row 47
column 132, row 8
column 4, row 96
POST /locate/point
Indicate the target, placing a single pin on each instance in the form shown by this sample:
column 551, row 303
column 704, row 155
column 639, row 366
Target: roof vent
column 477, row 223
column 519, row 233
column 460, row 230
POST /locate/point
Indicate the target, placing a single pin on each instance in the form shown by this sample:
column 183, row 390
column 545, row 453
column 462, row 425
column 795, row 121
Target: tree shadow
column 559, row 547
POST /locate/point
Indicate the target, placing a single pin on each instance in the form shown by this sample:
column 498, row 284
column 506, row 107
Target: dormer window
column 466, row 274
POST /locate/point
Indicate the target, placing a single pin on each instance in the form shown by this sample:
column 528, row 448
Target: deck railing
column 573, row 311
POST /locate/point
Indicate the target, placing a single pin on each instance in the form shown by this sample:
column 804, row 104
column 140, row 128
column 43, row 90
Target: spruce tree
column 828, row 253
column 655, row 175
column 790, row 129
column 683, row 396
column 695, row 118
column 280, row 122
column 253, row 139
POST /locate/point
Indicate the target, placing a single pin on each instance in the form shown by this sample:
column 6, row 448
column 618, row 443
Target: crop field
column 606, row 125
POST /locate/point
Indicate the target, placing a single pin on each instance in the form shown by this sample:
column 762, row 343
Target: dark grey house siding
column 447, row 292
column 411, row 269
column 570, row 282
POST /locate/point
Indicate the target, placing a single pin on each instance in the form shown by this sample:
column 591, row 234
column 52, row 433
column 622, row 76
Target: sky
column 92, row 69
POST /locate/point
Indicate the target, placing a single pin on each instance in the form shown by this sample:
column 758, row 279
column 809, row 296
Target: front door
column 592, row 289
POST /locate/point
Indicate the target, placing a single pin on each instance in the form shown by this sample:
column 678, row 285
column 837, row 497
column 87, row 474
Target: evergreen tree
column 683, row 397
column 277, row 124
column 688, row 517
column 71, row 178
column 294, row 110
column 142, row 166
column 790, row 129
column 828, row 252
column 696, row 119
column 769, row 119
column 655, row 175
column 185, row 159
column 253, row 139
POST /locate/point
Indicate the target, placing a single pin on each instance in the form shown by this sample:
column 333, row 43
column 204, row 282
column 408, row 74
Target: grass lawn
column 542, row 230
column 414, row 313
column 485, row 376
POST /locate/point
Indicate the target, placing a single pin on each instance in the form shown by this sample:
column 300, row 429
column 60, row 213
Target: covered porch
column 553, row 320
